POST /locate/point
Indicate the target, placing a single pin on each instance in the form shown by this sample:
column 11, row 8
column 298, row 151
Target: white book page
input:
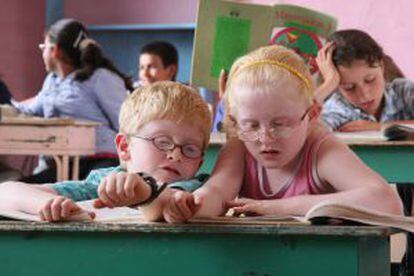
column 118, row 214
column 357, row 136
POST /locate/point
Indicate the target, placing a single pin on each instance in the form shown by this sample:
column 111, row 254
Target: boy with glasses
column 164, row 129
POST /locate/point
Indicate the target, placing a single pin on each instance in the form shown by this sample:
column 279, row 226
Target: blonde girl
column 279, row 160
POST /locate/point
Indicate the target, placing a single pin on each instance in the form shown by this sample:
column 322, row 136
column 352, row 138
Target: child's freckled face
column 257, row 109
column 167, row 166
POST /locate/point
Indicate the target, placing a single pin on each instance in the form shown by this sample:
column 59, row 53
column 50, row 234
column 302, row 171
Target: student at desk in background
column 279, row 159
column 81, row 84
column 164, row 130
column 359, row 80
column 158, row 61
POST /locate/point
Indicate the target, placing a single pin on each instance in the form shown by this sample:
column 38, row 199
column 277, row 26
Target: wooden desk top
column 157, row 227
column 39, row 121
column 351, row 139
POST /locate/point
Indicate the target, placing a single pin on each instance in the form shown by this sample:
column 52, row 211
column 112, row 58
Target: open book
column 105, row 215
column 227, row 30
column 399, row 132
column 392, row 132
column 325, row 212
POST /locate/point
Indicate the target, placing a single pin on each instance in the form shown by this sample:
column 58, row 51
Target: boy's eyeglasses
column 165, row 143
column 274, row 132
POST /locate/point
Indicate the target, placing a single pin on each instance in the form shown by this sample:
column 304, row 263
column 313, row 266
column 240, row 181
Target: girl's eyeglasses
column 274, row 132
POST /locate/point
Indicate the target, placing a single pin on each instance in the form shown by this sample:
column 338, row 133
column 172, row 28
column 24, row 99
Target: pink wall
column 132, row 11
column 389, row 22
column 21, row 26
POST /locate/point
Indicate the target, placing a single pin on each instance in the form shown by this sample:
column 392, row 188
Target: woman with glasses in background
column 81, row 84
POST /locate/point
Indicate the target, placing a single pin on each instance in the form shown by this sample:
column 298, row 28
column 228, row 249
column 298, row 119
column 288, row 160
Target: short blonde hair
column 165, row 100
column 269, row 66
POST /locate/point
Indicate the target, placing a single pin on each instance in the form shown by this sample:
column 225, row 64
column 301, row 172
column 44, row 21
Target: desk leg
column 65, row 167
column 58, row 162
column 75, row 168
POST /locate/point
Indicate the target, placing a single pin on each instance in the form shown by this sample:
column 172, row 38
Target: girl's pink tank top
column 305, row 180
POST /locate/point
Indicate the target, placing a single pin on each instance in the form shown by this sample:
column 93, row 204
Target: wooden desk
column 29, row 248
column 394, row 160
column 61, row 139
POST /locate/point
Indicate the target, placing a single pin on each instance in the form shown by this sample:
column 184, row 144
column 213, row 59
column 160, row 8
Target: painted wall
column 21, row 26
column 132, row 11
column 388, row 21
column 122, row 46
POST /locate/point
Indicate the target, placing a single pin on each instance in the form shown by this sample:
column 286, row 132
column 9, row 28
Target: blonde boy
column 164, row 129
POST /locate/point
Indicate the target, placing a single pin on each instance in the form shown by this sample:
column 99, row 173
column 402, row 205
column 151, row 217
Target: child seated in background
column 158, row 61
column 279, row 159
column 81, row 84
column 164, row 129
column 357, row 74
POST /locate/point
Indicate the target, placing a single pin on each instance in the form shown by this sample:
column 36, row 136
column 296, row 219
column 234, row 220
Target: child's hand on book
column 252, row 207
column 181, row 207
column 62, row 208
column 122, row 189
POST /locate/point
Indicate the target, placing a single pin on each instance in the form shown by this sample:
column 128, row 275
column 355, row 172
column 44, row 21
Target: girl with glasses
column 279, row 160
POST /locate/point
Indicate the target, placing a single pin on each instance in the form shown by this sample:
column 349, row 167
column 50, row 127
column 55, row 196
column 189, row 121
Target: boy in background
column 158, row 61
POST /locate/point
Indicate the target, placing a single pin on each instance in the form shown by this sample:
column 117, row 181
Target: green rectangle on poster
column 232, row 36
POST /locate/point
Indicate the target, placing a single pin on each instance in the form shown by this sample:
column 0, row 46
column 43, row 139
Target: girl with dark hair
column 365, row 86
column 81, row 84
column 5, row 95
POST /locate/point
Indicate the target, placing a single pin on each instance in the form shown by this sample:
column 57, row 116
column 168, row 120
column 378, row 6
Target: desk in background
column 29, row 248
column 63, row 139
column 394, row 160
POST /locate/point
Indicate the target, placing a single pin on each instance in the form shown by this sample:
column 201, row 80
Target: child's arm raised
column 328, row 71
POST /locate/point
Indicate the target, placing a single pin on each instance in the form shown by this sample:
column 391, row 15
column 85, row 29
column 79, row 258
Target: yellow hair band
column 278, row 64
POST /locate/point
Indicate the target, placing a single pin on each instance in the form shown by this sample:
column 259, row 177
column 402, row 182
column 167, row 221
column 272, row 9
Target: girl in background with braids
column 279, row 160
column 81, row 84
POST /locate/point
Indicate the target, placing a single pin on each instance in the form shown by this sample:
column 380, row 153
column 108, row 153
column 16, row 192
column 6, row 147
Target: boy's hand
column 181, row 207
column 61, row 208
column 122, row 189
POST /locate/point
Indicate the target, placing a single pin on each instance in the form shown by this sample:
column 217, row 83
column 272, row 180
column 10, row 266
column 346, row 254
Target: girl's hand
column 222, row 83
column 328, row 71
column 326, row 66
column 360, row 125
column 181, row 207
column 249, row 206
column 61, row 208
column 122, row 189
